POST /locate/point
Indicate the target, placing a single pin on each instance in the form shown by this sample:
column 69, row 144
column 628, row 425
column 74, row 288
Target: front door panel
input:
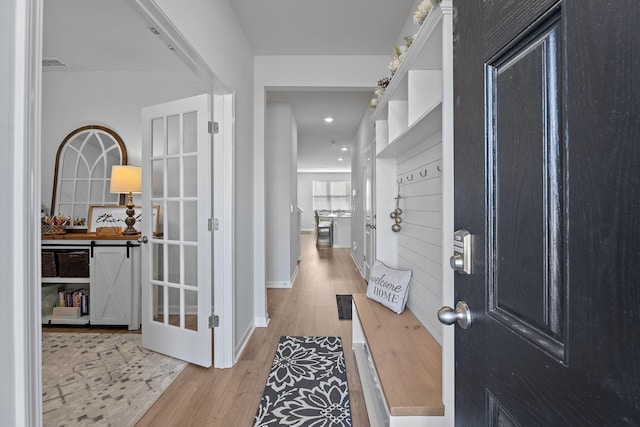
column 546, row 181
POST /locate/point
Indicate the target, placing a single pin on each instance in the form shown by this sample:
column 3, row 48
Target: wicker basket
column 73, row 264
column 53, row 229
column 49, row 266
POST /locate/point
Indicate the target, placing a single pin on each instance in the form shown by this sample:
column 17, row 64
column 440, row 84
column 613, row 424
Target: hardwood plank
column 230, row 397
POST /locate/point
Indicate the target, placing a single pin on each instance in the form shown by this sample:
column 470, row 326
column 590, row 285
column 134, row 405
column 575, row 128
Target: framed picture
column 114, row 216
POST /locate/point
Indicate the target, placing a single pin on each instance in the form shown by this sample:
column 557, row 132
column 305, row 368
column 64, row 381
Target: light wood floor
column 230, row 397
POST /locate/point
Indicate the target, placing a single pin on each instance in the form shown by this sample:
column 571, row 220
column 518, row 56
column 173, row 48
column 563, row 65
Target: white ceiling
column 109, row 35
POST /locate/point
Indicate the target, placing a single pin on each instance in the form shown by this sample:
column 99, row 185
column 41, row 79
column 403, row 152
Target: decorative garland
column 419, row 16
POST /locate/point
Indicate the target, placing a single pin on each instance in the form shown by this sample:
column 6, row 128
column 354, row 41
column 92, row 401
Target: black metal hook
column 425, row 173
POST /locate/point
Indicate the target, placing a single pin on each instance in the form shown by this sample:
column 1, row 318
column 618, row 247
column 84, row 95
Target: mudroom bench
column 400, row 365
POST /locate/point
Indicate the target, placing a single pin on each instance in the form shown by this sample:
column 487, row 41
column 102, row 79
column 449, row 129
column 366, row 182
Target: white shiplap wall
column 420, row 239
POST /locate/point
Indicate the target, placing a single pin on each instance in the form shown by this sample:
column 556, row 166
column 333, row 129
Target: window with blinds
column 331, row 195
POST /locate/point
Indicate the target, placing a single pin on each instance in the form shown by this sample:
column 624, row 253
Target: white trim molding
column 20, row 77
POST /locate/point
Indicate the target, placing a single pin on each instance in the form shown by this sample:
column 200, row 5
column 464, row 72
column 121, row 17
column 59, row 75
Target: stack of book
column 72, row 298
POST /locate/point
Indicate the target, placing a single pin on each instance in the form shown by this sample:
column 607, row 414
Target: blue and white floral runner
column 307, row 385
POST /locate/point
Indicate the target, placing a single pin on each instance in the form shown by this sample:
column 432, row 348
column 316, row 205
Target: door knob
column 461, row 315
column 143, row 239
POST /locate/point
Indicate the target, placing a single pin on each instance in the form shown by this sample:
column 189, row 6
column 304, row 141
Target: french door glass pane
column 173, row 134
column 157, row 179
column 157, row 270
column 190, row 222
column 191, row 266
column 173, row 220
column 157, row 293
column 190, row 132
column 173, row 261
column 157, row 137
column 174, row 306
column 191, row 318
column 173, row 175
column 190, row 176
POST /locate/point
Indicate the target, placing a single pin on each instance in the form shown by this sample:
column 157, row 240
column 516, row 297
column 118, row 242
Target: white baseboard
column 285, row 284
column 261, row 322
column 357, row 265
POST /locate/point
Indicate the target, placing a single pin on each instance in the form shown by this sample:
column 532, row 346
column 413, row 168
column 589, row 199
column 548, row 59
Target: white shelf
column 429, row 33
column 50, row 320
column 429, row 124
column 64, row 280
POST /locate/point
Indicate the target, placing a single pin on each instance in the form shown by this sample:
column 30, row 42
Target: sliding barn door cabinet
column 91, row 282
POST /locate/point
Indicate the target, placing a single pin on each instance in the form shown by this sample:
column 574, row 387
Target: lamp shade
column 126, row 179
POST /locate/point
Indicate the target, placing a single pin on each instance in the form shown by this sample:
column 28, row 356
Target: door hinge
column 214, row 224
column 213, row 127
column 214, row 321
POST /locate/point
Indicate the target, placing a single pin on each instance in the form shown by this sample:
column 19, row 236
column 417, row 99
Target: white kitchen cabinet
column 342, row 232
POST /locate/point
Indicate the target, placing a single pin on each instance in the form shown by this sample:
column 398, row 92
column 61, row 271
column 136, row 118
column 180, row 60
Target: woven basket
column 53, row 229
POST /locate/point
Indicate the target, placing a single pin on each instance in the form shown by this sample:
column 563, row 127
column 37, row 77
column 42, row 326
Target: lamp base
column 130, row 220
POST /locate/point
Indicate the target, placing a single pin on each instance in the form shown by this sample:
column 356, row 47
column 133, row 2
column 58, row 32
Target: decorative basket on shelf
column 47, row 228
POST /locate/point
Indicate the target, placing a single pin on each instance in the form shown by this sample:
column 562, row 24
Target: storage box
column 426, row 85
column 49, row 266
column 66, row 312
column 398, row 118
column 73, row 264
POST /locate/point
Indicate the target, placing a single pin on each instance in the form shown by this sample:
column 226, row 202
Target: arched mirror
column 83, row 171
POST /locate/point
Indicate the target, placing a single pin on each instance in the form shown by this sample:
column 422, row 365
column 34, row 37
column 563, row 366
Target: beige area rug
column 101, row 379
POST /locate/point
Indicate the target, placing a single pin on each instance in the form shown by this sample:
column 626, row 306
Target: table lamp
column 127, row 180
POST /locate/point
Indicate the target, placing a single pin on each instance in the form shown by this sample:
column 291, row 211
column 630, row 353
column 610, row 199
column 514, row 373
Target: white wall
column 113, row 99
column 213, row 30
column 281, row 140
column 305, row 193
column 420, row 240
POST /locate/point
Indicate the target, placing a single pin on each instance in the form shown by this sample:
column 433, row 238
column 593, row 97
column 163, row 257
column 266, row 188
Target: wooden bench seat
column 399, row 362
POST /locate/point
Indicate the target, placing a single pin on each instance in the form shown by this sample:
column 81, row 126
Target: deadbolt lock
column 460, row 261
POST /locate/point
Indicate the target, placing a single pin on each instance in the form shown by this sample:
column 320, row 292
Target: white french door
column 177, row 274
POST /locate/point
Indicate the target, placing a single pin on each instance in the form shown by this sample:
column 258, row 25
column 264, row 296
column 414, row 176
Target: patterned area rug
column 101, row 379
column 307, row 385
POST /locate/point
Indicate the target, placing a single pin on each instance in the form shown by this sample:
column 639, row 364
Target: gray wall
column 281, row 143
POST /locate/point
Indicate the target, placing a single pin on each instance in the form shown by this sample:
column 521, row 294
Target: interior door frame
column 22, row 392
column 25, row 48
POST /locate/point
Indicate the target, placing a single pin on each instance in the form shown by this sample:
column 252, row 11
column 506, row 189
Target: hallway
column 230, row 397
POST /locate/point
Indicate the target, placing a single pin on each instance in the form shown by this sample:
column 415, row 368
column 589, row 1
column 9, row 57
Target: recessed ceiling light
column 340, row 159
column 344, row 149
column 328, row 119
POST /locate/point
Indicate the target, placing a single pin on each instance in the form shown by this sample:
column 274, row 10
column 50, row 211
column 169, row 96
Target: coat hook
column 410, row 179
column 399, row 181
column 425, row 173
column 439, row 168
